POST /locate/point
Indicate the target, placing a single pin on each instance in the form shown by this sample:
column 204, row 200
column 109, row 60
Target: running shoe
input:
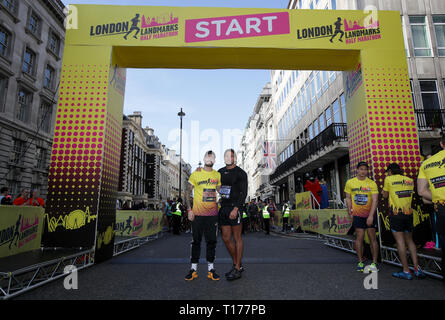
column 360, row 267
column 213, row 276
column 191, row 275
column 233, row 268
column 374, row 266
column 234, row 275
column 419, row 273
column 403, row 275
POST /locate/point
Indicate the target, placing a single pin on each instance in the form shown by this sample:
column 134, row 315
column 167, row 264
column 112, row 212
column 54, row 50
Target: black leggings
column 440, row 228
column 207, row 226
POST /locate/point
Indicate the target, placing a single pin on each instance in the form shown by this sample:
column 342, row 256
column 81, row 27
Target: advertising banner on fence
column 20, row 229
column 137, row 223
column 303, row 200
column 333, row 222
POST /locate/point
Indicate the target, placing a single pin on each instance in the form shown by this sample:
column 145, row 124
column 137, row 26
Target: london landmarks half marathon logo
column 20, row 233
column 353, row 32
column 140, row 28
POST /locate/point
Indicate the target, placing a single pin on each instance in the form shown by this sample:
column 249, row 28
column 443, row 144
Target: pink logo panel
column 222, row 28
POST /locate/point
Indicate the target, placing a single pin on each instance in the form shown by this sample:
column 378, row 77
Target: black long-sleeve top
column 236, row 180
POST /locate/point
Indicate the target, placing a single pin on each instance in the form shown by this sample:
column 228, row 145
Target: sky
column 217, row 103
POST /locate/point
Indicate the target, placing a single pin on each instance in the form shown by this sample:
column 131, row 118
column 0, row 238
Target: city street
column 277, row 268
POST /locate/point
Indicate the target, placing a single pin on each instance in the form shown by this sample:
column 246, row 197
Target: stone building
column 31, row 47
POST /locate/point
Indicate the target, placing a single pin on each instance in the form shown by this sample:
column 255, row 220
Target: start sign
column 221, row 28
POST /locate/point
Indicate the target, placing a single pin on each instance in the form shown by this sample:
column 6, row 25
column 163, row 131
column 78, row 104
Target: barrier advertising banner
column 138, row 223
column 20, row 229
column 332, row 222
column 303, row 200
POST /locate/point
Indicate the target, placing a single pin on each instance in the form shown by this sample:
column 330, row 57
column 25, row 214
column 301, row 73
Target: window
column 308, row 97
column 332, row 76
column 334, row 4
column 18, row 150
column 439, row 28
column 311, row 6
column 412, row 93
column 3, row 91
column 24, row 105
column 325, row 80
column 322, row 122
column 343, row 108
column 316, row 128
column 421, row 42
column 11, row 5
column 328, row 114
column 5, row 39
column 54, row 43
column 41, row 158
column 318, row 84
column 430, row 97
column 45, row 115
column 336, row 111
column 34, row 24
column 29, row 61
column 313, row 89
column 311, row 132
column 299, row 106
column 49, row 78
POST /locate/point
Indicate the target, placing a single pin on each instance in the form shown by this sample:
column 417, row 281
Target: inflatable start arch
column 105, row 40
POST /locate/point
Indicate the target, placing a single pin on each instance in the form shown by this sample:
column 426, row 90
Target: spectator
column 5, row 197
column 35, row 201
column 313, row 186
column 23, row 199
column 324, row 194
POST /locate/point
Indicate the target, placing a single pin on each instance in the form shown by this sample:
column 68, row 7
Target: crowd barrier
column 20, row 229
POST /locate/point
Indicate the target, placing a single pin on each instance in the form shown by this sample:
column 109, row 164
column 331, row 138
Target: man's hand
column 233, row 214
column 191, row 215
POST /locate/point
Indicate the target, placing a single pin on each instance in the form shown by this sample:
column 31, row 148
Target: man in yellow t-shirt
column 399, row 189
column 204, row 216
column 431, row 187
column 362, row 198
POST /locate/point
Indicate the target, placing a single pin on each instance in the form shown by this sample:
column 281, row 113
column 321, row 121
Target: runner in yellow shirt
column 204, row 216
column 362, row 198
column 431, row 187
column 399, row 189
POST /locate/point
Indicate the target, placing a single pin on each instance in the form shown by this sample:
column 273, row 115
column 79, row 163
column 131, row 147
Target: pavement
column 277, row 268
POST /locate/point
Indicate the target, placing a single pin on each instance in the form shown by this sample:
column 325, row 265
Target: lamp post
column 181, row 115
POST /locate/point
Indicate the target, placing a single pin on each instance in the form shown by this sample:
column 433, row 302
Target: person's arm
column 423, row 189
column 188, row 202
column 349, row 203
column 375, row 202
column 242, row 195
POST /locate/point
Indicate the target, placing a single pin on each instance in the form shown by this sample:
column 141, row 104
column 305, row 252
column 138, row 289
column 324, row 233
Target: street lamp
column 181, row 115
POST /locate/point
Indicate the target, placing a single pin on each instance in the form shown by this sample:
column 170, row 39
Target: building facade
column 310, row 105
column 149, row 172
column 261, row 129
column 31, row 48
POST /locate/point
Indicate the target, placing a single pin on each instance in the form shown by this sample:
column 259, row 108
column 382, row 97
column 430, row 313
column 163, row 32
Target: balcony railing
column 335, row 132
column 429, row 120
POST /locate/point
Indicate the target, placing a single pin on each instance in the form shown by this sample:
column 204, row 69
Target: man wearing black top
column 233, row 194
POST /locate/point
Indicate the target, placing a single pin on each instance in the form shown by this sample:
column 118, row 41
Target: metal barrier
column 20, row 279
column 428, row 262
column 123, row 245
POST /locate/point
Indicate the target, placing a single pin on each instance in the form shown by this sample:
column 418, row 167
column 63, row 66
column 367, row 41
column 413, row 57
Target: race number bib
column 209, row 195
column 225, row 192
column 361, row 199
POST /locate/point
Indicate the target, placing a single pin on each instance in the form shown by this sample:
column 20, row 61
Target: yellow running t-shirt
column 433, row 170
column 204, row 200
column 400, row 189
column 361, row 192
